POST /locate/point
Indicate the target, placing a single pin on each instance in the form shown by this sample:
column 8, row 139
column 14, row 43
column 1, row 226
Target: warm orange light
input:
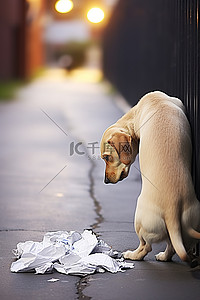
column 95, row 15
column 64, row 6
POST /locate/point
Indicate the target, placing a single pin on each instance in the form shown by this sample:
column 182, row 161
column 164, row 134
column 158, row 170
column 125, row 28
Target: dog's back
column 165, row 159
column 165, row 147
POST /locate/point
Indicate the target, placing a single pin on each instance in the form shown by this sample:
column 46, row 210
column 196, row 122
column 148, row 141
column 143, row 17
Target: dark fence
column 154, row 45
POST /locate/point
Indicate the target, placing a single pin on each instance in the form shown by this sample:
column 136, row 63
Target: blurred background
column 137, row 45
column 38, row 33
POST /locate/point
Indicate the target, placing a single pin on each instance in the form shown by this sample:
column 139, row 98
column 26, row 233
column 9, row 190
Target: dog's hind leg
column 167, row 254
column 140, row 252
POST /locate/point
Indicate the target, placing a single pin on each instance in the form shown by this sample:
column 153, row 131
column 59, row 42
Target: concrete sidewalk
column 40, row 132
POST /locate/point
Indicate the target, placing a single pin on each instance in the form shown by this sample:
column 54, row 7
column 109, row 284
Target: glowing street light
column 64, row 6
column 95, row 15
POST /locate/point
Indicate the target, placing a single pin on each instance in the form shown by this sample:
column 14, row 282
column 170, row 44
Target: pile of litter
column 68, row 253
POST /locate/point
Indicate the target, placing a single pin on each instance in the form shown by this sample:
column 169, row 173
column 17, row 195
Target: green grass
column 9, row 88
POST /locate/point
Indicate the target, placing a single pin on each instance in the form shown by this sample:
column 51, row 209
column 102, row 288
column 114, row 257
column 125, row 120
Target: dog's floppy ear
column 122, row 143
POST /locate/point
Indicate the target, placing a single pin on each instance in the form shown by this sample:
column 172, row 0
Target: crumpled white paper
column 68, row 253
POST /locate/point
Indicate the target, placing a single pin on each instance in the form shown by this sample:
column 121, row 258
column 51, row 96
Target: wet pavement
column 52, row 179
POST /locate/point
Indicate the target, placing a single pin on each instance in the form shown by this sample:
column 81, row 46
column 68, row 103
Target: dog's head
column 118, row 150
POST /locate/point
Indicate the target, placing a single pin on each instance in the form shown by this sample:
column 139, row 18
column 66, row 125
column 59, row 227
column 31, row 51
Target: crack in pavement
column 84, row 282
column 97, row 206
column 81, row 285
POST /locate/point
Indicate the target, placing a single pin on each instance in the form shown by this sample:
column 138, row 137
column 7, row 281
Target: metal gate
column 154, row 45
column 186, row 75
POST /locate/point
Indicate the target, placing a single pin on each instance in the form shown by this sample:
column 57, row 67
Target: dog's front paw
column 127, row 254
column 133, row 255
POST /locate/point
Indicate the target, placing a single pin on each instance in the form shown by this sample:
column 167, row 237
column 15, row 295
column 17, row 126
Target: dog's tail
column 193, row 233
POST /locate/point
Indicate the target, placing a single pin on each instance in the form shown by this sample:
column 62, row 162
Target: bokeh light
column 95, row 15
column 64, row 6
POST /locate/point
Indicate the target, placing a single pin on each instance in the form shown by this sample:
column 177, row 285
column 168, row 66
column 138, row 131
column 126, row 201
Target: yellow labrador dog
column 167, row 208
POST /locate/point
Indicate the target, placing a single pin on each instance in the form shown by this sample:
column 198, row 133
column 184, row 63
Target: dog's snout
column 106, row 180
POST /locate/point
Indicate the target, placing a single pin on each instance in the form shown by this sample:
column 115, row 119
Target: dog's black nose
column 106, row 180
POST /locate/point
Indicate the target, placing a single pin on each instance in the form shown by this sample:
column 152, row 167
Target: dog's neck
column 129, row 123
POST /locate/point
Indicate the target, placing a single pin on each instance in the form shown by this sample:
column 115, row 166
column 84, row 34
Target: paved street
column 52, row 179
